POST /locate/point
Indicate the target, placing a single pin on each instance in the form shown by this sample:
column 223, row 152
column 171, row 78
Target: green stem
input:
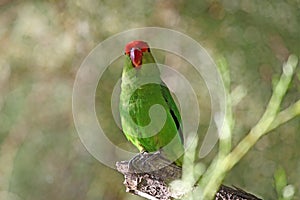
column 285, row 115
column 267, row 122
column 225, row 137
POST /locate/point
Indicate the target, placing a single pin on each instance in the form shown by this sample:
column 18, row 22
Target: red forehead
column 136, row 44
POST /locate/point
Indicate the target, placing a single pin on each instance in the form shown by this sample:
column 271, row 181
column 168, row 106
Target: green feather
column 135, row 101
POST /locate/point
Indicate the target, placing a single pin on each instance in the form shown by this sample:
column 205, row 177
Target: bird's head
column 135, row 51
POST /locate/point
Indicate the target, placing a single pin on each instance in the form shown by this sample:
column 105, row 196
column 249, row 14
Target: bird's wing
column 173, row 109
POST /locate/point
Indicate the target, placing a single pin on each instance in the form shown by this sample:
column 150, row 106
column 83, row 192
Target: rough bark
column 142, row 179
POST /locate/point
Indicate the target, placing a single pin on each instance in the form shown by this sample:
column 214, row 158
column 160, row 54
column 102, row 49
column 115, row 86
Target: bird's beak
column 136, row 56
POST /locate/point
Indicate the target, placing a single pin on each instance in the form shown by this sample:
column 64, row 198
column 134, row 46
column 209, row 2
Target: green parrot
column 141, row 90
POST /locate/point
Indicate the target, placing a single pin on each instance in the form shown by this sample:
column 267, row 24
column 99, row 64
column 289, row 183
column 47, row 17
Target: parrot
column 142, row 88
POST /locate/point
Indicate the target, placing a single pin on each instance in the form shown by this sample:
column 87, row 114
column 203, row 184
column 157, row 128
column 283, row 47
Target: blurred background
column 43, row 44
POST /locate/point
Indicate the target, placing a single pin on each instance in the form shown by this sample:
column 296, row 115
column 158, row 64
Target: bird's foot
column 148, row 162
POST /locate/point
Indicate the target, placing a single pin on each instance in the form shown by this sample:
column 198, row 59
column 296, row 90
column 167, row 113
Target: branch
column 154, row 185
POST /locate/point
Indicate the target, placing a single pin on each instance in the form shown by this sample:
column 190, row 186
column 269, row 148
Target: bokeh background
column 43, row 43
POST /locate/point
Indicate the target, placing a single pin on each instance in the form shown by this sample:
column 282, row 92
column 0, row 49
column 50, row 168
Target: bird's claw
column 147, row 162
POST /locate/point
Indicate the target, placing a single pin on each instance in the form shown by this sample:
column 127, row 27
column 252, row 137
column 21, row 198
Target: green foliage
column 283, row 190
